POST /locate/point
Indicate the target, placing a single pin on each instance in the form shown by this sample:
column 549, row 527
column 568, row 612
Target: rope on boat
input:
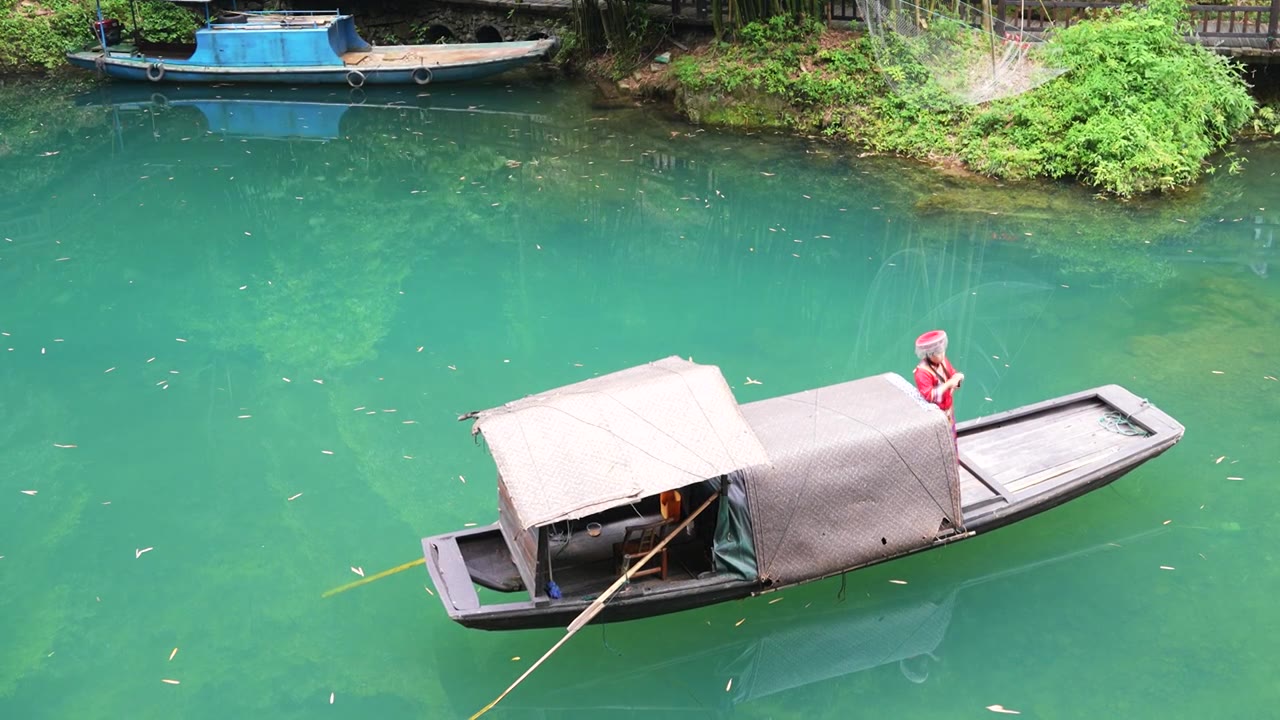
column 1120, row 424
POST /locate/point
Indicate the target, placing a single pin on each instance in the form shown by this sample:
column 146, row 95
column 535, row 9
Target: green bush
column 1140, row 108
column 1265, row 121
column 37, row 33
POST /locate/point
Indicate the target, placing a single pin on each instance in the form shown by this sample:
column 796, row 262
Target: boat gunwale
column 179, row 65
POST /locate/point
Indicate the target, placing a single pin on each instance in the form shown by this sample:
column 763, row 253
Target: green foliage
column 746, row 16
column 622, row 29
column 834, row 88
column 1265, row 121
column 1139, row 110
column 38, row 34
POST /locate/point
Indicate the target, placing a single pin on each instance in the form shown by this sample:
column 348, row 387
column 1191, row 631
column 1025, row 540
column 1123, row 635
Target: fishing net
column 954, row 52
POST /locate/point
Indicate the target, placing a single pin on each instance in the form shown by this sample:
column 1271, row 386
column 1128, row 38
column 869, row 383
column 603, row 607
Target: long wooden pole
column 595, row 607
column 371, row 578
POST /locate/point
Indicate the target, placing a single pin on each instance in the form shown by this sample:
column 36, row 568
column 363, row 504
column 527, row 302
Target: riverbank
column 1138, row 109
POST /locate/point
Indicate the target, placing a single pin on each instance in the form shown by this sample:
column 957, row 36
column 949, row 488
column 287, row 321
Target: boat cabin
column 593, row 476
column 269, row 38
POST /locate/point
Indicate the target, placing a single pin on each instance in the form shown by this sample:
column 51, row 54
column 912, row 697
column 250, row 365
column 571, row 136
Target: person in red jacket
column 936, row 379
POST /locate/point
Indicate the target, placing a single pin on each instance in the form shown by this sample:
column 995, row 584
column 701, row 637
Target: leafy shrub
column 1266, row 121
column 37, row 34
column 1140, row 108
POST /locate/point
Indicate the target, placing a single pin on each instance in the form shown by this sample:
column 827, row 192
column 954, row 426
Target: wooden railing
column 1238, row 22
column 1240, row 25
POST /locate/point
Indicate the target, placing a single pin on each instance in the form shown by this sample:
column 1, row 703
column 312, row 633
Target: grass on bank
column 1138, row 110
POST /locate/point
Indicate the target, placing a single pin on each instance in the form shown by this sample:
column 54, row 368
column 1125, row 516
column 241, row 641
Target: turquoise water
column 223, row 299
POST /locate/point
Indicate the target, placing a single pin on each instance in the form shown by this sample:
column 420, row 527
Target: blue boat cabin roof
column 278, row 39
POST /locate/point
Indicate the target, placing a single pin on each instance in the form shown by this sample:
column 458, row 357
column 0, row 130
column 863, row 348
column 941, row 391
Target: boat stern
column 86, row 58
column 450, row 576
column 551, row 47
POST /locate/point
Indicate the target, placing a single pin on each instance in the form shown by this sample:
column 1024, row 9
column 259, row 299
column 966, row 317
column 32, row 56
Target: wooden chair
column 637, row 541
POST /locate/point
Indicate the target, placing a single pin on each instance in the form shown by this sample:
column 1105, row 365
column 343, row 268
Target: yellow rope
column 371, row 578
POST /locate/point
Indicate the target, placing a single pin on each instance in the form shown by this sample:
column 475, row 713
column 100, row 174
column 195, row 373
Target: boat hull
column 453, row 581
column 143, row 69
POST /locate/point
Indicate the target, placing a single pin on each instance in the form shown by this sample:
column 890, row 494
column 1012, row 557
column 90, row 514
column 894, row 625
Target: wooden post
column 1000, row 11
column 675, row 8
column 1273, row 27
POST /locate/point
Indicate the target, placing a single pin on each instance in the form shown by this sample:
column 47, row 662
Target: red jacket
column 929, row 382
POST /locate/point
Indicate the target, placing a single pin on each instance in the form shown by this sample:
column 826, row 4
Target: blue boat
column 297, row 46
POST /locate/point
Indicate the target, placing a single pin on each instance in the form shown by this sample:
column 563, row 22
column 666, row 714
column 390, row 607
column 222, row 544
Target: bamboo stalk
column 595, row 607
column 991, row 37
column 371, row 578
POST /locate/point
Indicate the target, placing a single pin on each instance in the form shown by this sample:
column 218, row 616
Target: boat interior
column 583, row 556
column 412, row 56
column 141, row 47
column 168, row 50
column 1012, row 458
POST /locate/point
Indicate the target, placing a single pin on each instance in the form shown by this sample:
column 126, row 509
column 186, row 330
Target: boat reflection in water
column 810, row 640
column 308, row 113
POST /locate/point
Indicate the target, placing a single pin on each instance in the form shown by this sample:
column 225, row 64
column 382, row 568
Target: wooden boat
column 295, row 46
column 802, row 487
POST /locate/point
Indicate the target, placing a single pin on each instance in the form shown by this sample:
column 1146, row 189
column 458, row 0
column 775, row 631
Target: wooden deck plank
column 1064, row 440
column 1013, row 433
column 1060, row 469
column 972, row 490
column 410, row 56
column 1039, row 435
column 1032, row 430
column 1025, row 451
column 1069, row 449
column 980, row 472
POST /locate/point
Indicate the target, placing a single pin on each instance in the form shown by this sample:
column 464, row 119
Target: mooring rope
column 1120, row 424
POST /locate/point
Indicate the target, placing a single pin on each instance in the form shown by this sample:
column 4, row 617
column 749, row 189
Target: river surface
column 239, row 326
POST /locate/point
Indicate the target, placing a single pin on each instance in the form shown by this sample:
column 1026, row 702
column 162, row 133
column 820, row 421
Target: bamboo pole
column 371, row 578
column 595, row 607
column 991, row 37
